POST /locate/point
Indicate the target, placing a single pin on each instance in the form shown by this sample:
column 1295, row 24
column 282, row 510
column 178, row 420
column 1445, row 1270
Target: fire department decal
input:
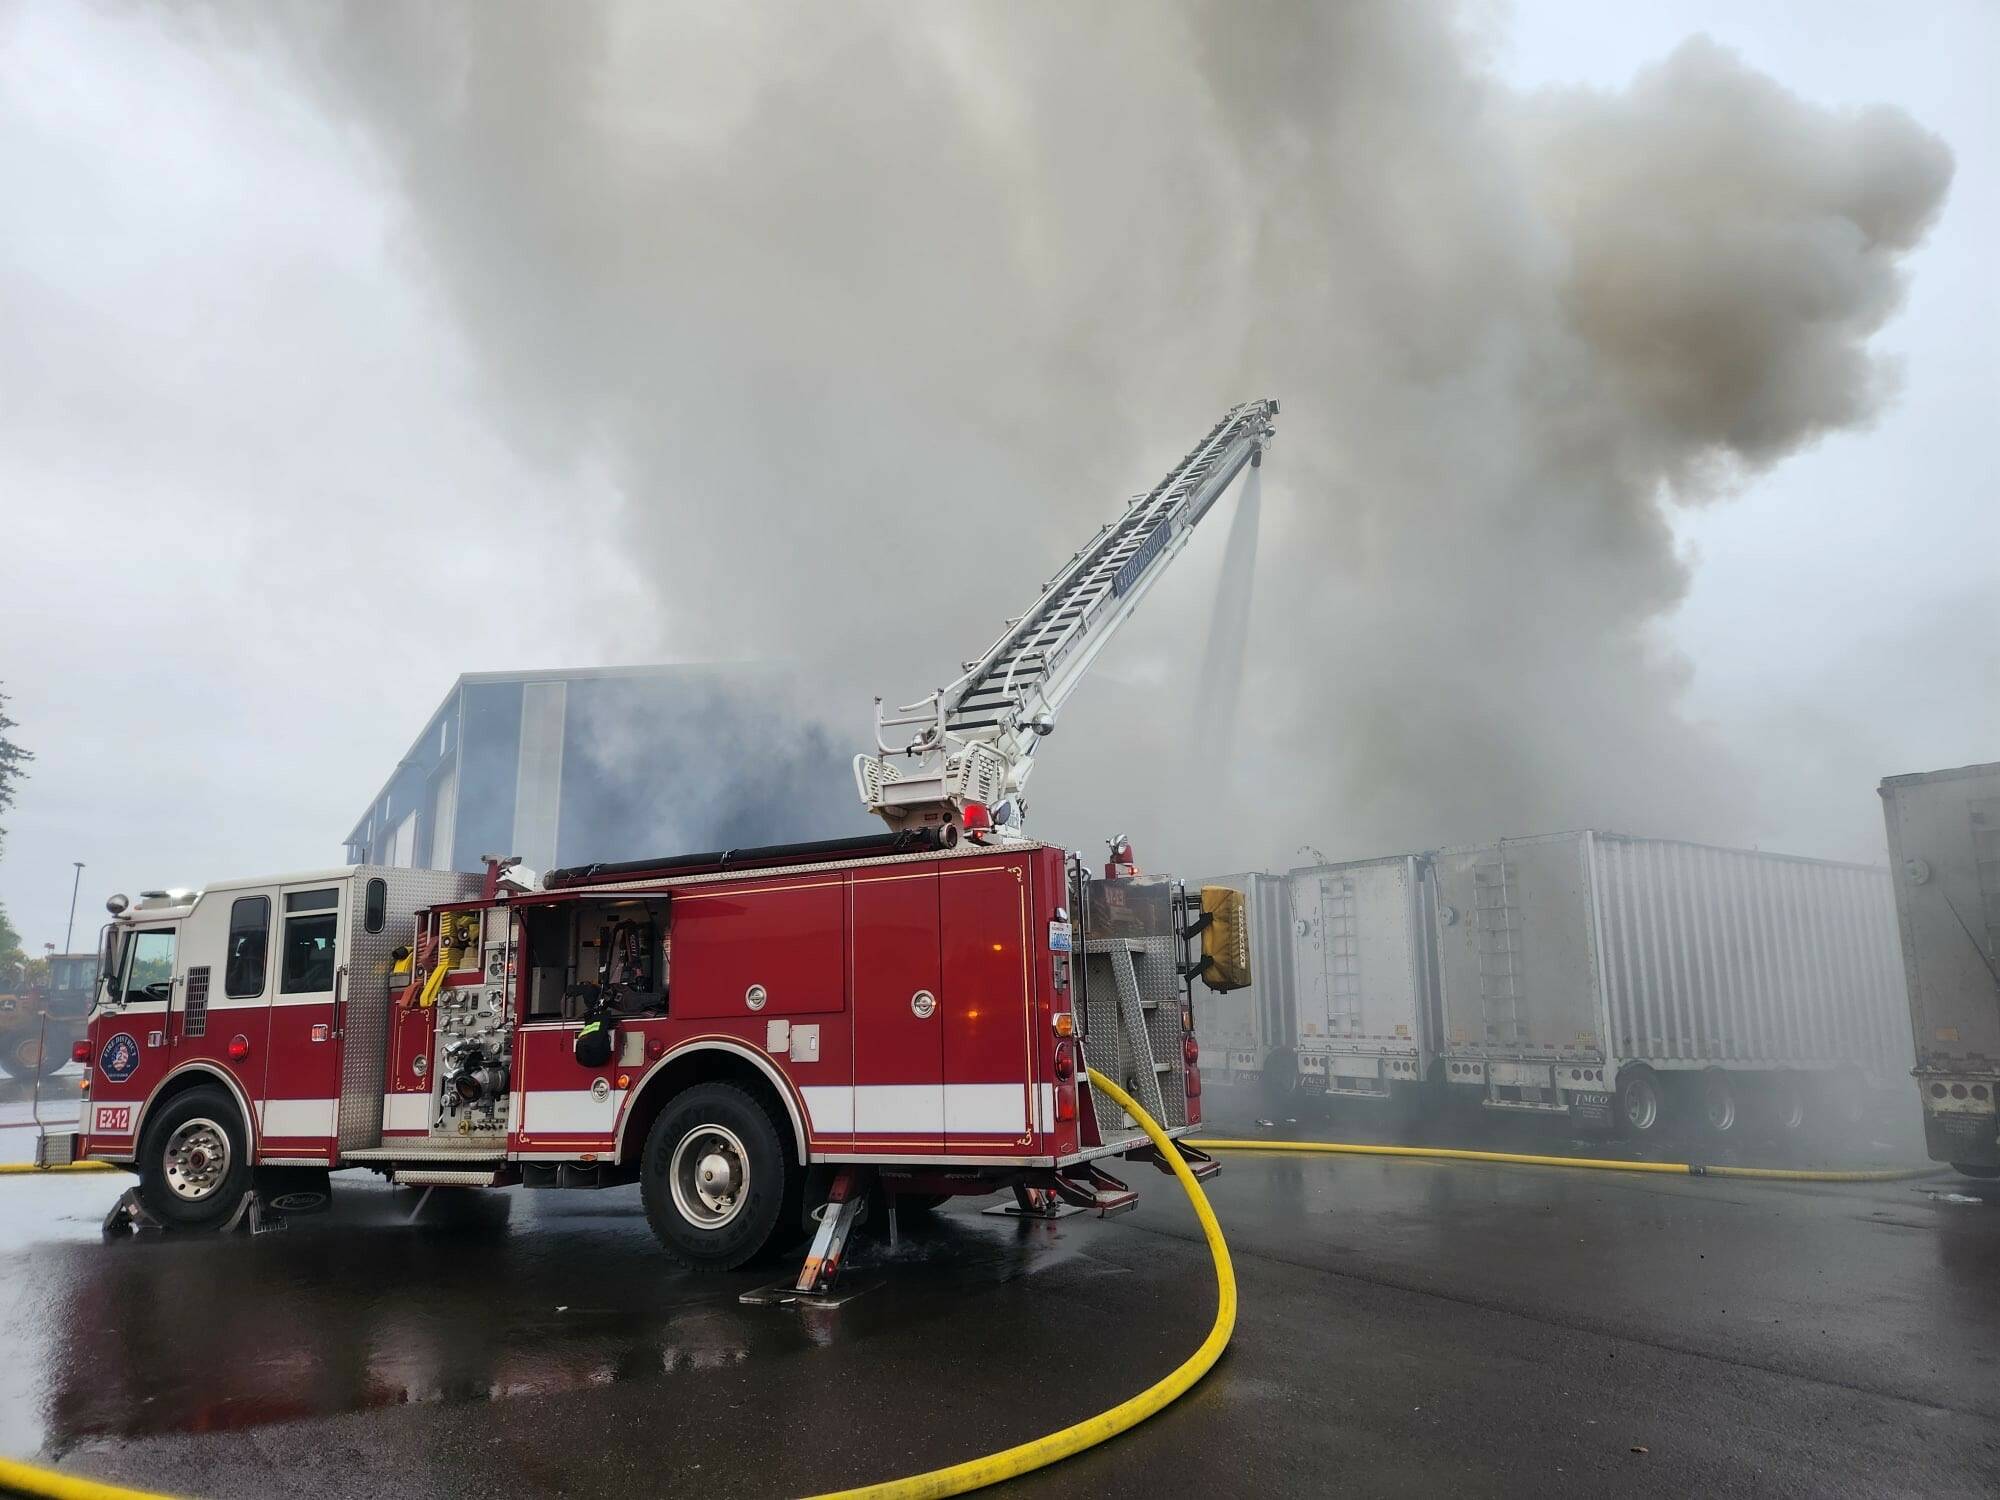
column 120, row 1058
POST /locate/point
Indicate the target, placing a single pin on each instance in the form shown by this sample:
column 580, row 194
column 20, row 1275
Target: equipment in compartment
column 475, row 1046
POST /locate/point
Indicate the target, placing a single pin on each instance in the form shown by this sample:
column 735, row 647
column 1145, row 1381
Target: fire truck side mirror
column 107, row 955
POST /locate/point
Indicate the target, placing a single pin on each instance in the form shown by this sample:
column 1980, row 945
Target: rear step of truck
column 1198, row 1162
column 1087, row 1185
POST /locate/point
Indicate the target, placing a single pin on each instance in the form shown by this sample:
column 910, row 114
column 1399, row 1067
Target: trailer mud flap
column 1590, row 1107
column 1965, row 1138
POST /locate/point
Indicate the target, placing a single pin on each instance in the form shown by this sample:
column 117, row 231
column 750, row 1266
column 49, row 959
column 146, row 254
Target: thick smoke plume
column 871, row 313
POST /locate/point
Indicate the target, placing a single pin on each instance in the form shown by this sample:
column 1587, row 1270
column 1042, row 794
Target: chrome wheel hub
column 1642, row 1107
column 197, row 1160
column 709, row 1176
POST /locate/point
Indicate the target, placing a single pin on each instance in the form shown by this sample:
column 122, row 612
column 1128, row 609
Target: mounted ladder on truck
column 958, row 760
column 960, row 757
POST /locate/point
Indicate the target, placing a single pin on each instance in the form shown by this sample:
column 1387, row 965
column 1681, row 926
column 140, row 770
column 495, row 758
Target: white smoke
column 874, row 312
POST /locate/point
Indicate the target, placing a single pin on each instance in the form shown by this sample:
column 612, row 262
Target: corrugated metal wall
column 1729, row 955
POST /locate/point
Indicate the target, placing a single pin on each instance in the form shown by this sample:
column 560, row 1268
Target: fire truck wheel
column 194, row 1163
column 716, row 1178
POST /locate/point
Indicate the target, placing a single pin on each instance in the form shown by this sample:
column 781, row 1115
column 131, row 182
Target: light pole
column 74, row 886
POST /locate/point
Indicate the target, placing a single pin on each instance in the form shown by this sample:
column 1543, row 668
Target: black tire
column 717, row 1178
column 21, row 1053
column 1718, row 1104
column 1786, row 1112
column 1980, row 1170
column 1641, row 1105
column 194, row 1160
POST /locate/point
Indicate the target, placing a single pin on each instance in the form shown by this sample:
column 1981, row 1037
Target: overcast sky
column 267, row 488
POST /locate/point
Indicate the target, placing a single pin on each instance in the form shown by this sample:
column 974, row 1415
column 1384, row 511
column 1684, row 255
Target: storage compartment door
column 989, row 1053
column 899, row 1096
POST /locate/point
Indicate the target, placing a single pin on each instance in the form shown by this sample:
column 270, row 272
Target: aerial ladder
column 959, row 758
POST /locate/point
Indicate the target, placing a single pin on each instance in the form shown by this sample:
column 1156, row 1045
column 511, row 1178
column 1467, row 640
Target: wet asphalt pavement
column 1406, row 1327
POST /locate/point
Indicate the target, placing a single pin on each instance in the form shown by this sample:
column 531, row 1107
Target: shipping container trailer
column 1365, row 968
column 1944, row 853
column 1245, row 1032
column 1625, row 981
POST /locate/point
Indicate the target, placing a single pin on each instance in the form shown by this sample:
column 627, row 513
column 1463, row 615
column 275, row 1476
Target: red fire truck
column 896, row 1018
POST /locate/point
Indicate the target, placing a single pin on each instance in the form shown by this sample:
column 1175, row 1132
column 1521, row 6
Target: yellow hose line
column 28, row 1168
column 994, row 1467
column 49, row 1484
column 1584, row 1163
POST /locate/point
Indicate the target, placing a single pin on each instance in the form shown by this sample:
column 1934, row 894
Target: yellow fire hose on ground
column 1585, row 1163
column 48, row 1484
column 29, row 1169
column 1009, row 1462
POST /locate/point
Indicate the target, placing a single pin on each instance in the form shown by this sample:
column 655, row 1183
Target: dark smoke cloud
column 871, row 313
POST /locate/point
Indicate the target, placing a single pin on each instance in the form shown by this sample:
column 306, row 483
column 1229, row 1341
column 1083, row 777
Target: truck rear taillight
column 79, row 1051
column 1065, row 1024
column 1065, row 1103
column 1194, row 1083
column 1190, row 1050
column 1065, row 1063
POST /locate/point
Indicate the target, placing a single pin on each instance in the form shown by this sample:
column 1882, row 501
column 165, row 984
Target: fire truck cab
column 714, row 1027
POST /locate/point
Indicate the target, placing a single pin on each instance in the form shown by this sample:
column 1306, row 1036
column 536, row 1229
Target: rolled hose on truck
column 956, row 1479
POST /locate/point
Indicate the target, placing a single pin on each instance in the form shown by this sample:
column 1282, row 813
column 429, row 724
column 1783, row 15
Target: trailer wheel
column 1719, row 1112
column 1641, row 1105
column 194, row 1163
column 716, row 1177
column 1786, row 1103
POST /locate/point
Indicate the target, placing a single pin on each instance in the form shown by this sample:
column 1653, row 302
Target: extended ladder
column 972, row 740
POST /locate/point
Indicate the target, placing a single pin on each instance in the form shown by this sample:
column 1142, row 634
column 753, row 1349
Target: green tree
column 13, row 766
column 11, row 956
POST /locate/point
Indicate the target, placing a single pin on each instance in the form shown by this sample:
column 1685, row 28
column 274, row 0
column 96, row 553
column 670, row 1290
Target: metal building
column 567, row 767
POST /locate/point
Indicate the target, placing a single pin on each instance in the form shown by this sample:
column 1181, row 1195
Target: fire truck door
column 302, row 1078
column 134, row 1050
column 898, row 1025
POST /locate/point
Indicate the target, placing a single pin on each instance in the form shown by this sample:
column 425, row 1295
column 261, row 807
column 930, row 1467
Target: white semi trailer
column 1626, row 981
column 1365, row 970
column 1944, row 851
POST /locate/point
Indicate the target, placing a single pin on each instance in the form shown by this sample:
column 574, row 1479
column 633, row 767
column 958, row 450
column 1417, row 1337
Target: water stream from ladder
column 1219, row 689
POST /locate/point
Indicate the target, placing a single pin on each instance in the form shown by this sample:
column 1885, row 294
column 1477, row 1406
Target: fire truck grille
column 1132, row 1029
